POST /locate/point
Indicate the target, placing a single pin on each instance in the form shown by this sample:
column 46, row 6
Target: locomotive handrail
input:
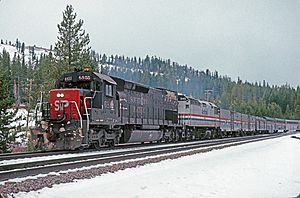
column 39, row 106
column 78, row 112
column 39, row 109
column 86, row 111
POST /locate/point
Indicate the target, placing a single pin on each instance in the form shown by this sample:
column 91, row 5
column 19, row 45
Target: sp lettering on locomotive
column 60, row 105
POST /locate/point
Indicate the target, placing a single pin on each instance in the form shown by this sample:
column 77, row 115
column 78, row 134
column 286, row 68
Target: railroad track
column 11, row 171
column 23, row 155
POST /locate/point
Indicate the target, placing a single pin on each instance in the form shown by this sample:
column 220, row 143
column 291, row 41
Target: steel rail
column 89, row 155
column 22, row 155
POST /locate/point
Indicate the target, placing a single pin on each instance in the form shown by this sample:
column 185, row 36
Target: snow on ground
column 20, row 120
column 12, row 50
column 262, row 169
column 21, row 117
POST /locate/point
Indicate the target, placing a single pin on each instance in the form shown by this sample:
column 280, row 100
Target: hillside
column 21, row 61
column 30, row 66
column 257, row 98
column 31, row 53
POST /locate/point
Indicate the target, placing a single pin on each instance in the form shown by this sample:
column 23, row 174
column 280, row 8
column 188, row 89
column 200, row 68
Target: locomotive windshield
column 79, row 85
column 182, row 98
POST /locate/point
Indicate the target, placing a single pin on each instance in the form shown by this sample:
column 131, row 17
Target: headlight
column 60, row 95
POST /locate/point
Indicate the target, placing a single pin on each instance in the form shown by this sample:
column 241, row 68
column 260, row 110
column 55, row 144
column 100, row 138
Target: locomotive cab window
column 216, row 110
column 98, row 86
column 83, row 85
column 109, row 90
column 79, row 85
column 182, row 98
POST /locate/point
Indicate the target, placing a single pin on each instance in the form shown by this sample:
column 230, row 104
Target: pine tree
column 6, row 116
column 42, row 77
column 72, row 50
column 23, row 48
column 17, row 44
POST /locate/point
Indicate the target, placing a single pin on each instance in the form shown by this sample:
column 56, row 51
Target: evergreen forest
column 26, row 79
column 258, row 98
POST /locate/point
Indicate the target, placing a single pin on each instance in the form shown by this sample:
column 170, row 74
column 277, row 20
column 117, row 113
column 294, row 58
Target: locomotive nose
column 64, row 102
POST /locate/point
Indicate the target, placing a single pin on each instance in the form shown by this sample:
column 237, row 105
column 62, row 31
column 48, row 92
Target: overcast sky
column 255, row 39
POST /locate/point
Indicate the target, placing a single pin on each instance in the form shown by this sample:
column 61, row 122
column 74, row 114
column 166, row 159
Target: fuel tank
column 145, row 136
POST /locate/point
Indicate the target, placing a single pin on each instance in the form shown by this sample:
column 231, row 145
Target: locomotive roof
column 95, row 75
column 126, row 84
column 105, row 78
column 165, row 89
column 200, row 101
column 208, row 103
column 269, row 118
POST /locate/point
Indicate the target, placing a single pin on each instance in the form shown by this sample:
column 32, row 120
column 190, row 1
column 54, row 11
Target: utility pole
column 18, row 95
column 28, row 107
column 15, row 91
column 207, row 93
column 177, row 82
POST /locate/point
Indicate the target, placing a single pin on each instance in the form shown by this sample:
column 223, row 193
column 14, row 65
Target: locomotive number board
column 68, row 78
column 84, row 77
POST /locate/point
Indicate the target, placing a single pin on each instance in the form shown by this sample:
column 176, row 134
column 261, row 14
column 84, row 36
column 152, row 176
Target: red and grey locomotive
column 91, row 109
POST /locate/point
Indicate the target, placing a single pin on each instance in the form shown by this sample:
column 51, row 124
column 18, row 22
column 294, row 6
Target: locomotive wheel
column 40, row 142
column 111, row 143
column 96, row 145
column 81, row 148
